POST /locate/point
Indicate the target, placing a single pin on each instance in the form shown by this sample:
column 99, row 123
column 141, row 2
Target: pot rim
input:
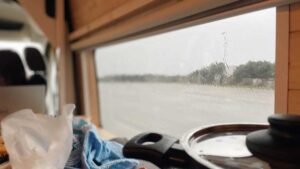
column 189, row 136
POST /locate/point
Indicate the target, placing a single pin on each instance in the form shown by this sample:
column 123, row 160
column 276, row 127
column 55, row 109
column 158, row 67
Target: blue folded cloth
column 91, row 152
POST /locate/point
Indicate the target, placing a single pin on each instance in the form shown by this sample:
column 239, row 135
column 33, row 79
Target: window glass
column 218, row 72
column 19, row 47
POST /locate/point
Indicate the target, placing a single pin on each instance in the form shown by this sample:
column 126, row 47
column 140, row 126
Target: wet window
column 218, row 72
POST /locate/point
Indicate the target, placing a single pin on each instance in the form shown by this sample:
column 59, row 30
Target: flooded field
column 173, row 108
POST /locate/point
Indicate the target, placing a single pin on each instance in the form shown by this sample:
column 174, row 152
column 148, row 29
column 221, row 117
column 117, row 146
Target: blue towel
column 91, row 152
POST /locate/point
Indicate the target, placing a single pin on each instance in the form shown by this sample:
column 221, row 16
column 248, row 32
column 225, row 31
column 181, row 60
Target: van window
column 19, row 48
column 218, row 72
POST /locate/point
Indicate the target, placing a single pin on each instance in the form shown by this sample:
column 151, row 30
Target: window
column 19, row 47
column 217, row 72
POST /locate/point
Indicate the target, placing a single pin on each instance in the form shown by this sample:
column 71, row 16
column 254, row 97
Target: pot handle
column 162, row 150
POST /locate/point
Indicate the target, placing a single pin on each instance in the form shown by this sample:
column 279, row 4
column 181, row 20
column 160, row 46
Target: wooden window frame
column 88, row 90
column 143, row 25
column 282, row 51
column 282, row 57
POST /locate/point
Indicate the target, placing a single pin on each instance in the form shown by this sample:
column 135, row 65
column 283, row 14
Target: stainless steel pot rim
column 190, row 135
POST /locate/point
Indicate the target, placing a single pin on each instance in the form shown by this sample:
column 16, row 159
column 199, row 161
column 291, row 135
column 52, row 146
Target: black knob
column 280, row 144
column 285, row 127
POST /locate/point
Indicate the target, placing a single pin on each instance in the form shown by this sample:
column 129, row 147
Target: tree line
column 252, row 73
column 258, row 73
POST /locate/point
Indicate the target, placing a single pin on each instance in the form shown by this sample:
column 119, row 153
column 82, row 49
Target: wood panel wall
column 90, row 10
column 294, row 60
column 140, row 16
column 287, row 93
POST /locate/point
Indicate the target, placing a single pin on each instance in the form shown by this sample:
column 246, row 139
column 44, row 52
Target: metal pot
column 211, row 147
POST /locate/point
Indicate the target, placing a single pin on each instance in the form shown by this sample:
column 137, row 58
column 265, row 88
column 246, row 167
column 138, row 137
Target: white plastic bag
column 38, row 141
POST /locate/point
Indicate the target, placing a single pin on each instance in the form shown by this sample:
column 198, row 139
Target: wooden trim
column 294, row 66
column 148, row 20
column 141, row 26
column 61, row 52
column 294, row 17
column 210, row 16
column 88, row 84
column 64, row 58
column 86, row 12
column 79, row 81
column 294, row 102
column 282, row 59
column 93, row 89
column 111, row 17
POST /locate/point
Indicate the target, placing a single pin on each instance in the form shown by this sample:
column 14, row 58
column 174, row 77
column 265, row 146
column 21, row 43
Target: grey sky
column 249, row 37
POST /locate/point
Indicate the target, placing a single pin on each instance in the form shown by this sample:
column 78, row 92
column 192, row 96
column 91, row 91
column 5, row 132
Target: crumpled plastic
column 38, row 141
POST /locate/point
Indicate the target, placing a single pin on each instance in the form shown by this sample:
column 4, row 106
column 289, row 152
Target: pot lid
column 222, row 146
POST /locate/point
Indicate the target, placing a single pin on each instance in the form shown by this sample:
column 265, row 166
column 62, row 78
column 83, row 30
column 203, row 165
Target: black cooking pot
column 211, row 147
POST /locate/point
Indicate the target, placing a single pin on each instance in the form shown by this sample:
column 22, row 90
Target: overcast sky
column 233, row 40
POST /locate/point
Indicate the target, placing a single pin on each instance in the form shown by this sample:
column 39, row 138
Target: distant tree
column 254, row 70
column 215, row 73
column 204, row 75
